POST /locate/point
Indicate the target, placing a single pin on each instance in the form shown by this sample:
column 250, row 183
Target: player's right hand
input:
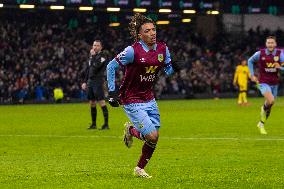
column 113, row 99
column 84, row 86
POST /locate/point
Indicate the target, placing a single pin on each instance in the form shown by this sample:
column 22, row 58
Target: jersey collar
column 268, row 53
column 145, row 47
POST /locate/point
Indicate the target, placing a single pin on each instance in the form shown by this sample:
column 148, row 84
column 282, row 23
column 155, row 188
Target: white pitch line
column 61, row 136
column 223, row 138
column 167, row 138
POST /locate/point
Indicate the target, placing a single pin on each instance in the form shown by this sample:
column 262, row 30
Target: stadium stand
column 38, row 55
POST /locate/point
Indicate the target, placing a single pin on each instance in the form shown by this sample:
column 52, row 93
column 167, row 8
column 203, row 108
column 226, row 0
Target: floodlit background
column 207, row 140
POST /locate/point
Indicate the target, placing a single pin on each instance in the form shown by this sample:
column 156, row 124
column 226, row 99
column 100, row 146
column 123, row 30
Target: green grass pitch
column 203, row 144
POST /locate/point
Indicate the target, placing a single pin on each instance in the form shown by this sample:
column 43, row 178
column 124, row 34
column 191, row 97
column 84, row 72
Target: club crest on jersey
column 276, row 58
column 160, row 57
column 263, row 58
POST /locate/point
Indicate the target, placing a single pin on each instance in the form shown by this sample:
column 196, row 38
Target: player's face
column 270, row 44
column 244, row 62
column 148, row 33
column 97, row 46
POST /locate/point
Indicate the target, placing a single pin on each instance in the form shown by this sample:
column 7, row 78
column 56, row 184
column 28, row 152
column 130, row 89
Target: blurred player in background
column 93, row 81
column 141, row 63
column 241, row 81
column 269, row 62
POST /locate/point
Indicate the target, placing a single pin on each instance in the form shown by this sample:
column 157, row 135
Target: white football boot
column 141, row 173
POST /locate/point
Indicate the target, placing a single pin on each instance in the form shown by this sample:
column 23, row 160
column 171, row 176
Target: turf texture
column 203, row 144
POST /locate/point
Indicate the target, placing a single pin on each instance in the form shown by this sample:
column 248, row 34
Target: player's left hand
column 277, row 65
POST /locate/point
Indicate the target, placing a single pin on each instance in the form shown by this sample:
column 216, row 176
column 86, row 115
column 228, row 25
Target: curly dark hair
column 271, row 37
column 135, row 24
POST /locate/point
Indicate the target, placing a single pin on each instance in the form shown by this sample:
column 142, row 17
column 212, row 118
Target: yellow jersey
column 241, row 75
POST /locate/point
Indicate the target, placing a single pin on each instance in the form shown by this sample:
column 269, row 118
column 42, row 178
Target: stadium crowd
column 38, row 55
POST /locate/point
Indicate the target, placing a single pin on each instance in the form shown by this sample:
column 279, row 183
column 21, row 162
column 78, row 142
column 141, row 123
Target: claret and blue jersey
column 141, row 66
column 268, row 74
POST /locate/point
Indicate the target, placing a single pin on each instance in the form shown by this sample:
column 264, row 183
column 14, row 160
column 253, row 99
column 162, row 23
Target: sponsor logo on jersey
column 148, row 78
column 151, row 69
column 270, row 70
column 270, row 65
column 150, row 75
